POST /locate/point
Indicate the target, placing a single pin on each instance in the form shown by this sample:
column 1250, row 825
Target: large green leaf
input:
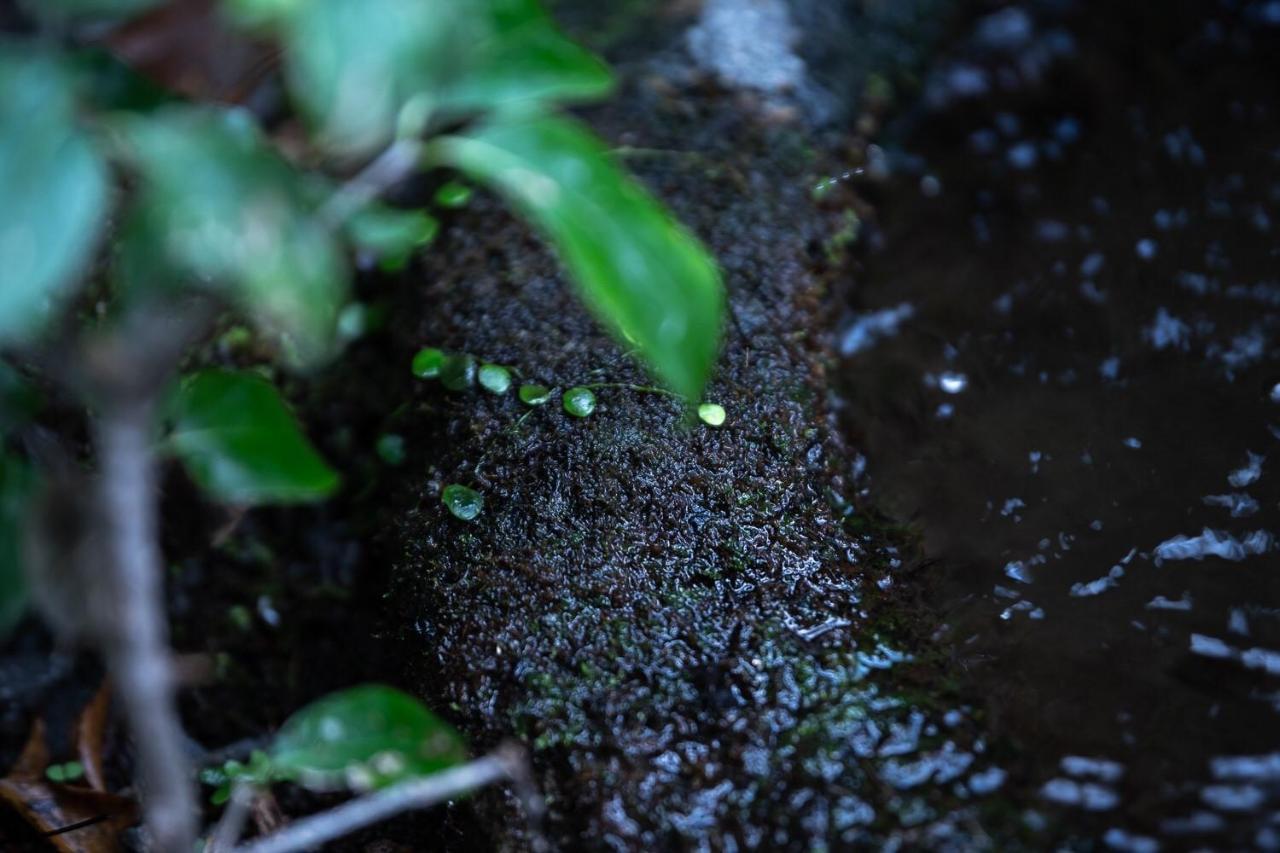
column 53, row 191
column 16, row 484
column 364, row 737
column 220, row 209
column 523, row 58
column 240, row 442
column 354, row 65
column 642, row 274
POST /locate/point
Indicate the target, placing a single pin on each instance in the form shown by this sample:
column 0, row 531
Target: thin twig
column 506, row 762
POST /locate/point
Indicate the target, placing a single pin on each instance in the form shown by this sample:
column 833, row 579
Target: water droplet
column 534, row 395
column 427, row 363
column 579, row 402
column 494, row 378
column 463, row 502
column 953, row 383
column 712, row 414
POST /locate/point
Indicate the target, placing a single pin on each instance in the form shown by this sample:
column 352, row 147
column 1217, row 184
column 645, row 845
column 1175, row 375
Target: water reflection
column 1063, row 368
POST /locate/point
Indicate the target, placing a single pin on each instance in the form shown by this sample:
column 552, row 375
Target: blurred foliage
column 54, row 185
column 219, row 209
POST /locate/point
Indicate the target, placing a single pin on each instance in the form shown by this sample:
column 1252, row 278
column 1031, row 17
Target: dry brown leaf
column 72, row 818
column 91, row 737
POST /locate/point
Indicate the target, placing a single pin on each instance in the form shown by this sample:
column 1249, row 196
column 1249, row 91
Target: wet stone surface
column 1062, row 367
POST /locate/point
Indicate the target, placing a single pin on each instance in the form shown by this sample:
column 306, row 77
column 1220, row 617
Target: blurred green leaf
column 17, row 482
column 54, row 190
column 240, row 442
column 639, row 271
column 220, row 209
column 523, row 59
column 364, row 737
column 354, row 65
column 391, row 234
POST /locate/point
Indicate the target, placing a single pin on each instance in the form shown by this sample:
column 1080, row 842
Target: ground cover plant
column 146, row 201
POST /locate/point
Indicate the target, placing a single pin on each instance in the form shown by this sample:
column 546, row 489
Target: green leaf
column 534, row 395
column 353, row 65
column 391, row 234
column 647, row 279
column 523, row 59
column 17, row 484
column 712, row 414
column 458, row 372
column 363, row 738
column 54, row 190
column 579, row 402
column 465, row 504
column 219, row 208
column 453, row 194
column 240, row 442
column 427, row 363
column 494, row 378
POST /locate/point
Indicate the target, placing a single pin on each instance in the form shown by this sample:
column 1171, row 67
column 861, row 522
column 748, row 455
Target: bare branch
column 506, row 762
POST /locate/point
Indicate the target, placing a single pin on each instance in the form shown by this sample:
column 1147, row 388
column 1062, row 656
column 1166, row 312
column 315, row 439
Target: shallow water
column 1061, row 363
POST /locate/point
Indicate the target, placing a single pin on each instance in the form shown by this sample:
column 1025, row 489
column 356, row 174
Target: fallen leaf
column 73, row 819
column 91, row 737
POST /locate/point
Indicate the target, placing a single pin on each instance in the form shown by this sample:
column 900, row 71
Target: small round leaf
column 458, row 372
column 463, row 502
column 494, row 378
column 712, row 414
column 427, row 363
column 579, row 402
column 534, row 395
